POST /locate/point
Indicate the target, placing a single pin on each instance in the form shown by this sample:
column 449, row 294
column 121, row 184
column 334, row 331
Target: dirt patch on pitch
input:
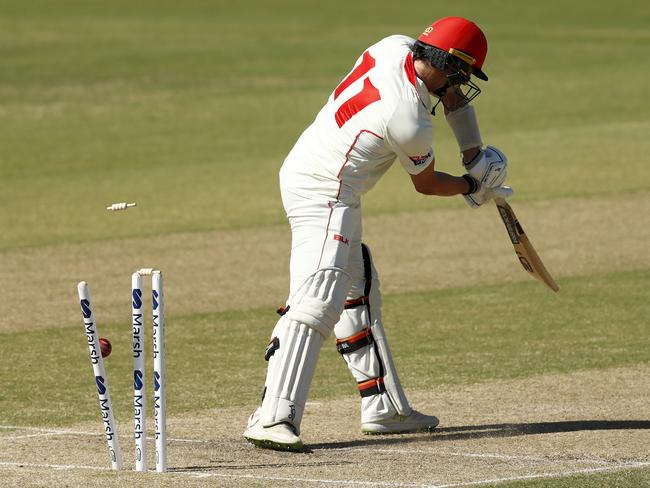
column 226, row 270
column 554, row 425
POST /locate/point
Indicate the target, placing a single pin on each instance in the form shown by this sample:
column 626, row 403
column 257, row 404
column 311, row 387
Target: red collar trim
column 409, row 69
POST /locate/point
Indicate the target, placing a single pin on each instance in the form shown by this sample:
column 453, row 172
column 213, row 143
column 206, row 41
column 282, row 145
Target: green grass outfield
column 188, row 108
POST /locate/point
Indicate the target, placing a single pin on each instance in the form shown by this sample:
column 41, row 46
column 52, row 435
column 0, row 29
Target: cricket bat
column 524, row 250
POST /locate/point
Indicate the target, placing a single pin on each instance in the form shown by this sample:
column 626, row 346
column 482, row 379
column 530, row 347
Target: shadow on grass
column 491, row 430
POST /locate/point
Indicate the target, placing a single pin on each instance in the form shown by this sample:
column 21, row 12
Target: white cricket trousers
column 324, row 234
column 327, row 234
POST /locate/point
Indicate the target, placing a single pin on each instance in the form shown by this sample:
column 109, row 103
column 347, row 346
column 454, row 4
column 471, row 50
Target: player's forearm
column 444, row 185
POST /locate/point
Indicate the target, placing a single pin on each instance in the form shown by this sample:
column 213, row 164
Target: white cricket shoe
column 280, row 437
column 401, row 424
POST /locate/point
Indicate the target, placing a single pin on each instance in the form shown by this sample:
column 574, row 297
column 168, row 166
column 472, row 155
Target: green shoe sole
column 406, row 431
column 276, row 446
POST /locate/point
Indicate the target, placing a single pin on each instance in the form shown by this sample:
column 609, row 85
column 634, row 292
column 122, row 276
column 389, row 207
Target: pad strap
column 273, row 346
column 355, row 342
column 371, row 387
column 367, row 274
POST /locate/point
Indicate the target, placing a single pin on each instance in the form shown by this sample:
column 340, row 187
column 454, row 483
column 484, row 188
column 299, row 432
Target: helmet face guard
column 456, row 65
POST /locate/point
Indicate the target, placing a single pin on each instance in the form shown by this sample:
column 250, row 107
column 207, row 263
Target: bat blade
column 524, row 250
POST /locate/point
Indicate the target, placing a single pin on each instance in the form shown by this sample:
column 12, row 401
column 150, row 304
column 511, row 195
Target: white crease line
column 560, row 474
column 26, row 427
column 90, row 434
column 44, row 430
column 505, row 457
column 222, row 475
column 51, row 432
column 307, row 480
column 191, row 441
column 51, row 466
column 42, row 434
column 47, row 433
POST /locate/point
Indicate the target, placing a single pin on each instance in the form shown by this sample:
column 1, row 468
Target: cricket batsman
column 380, row 112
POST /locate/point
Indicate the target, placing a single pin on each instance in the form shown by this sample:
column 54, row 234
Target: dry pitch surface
column 544, row 427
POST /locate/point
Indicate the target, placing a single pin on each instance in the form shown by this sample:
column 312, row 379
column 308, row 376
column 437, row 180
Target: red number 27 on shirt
column 368, row 94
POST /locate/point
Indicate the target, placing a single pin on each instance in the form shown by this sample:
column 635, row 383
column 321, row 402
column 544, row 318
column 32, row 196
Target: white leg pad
column 313, row 310
column 393, row 386
column 319, row 301
column 290, row 372
column 373, row 361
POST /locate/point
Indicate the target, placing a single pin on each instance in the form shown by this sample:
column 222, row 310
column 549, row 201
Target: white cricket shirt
column 379, row 112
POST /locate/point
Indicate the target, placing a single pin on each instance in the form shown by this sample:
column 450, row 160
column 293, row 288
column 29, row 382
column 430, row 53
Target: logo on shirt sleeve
column 418, row 160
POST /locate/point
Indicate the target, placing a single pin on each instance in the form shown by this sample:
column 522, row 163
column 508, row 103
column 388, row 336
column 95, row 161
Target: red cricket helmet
column 460, row 37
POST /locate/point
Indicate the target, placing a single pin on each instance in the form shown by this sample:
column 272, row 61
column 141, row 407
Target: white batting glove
column 485, row 194
column 489, row 167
